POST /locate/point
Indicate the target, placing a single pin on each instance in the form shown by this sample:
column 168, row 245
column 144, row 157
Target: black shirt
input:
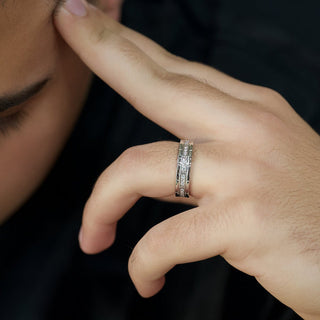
column 43, row 273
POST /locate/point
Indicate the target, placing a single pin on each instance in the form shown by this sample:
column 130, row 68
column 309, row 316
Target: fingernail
column 80, row 237
column 76, row 7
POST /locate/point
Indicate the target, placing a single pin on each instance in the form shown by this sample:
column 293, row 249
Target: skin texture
column 31, row 49
column 254, row 178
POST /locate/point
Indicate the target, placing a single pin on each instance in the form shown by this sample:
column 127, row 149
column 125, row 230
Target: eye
column 13, row 119
column 18, row 107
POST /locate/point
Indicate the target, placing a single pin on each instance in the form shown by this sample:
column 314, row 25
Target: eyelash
column 12, row 121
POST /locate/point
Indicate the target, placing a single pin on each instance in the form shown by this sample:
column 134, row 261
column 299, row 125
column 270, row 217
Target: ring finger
column 150, row 170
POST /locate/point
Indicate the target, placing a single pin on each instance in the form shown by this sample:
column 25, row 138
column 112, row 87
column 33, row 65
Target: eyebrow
column 8, row 101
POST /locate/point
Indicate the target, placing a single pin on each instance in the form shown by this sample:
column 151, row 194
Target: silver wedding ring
column 183, row 168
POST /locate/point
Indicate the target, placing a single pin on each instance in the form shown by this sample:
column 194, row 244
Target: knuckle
column 176, row 80
column 122, row 168
column 153, row 246
column 269, row 120
column 172, row 78
column 268, row 125
column 173, row 60
column 138, row 261
column 131, row 162
column 132, row 157
column 269, row 95
column 149, row 155
column 103, row 180
column 273, row 100
column 100, row 34
column 190, row 88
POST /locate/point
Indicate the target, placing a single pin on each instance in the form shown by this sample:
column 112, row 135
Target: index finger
column 186, row 107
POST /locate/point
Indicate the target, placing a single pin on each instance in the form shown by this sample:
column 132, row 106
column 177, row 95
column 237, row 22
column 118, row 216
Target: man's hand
column 255, row 177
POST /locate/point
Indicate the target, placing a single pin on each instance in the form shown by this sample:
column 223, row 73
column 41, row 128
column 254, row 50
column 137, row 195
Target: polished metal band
column 183, row 168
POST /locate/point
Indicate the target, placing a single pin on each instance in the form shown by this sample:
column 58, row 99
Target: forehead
column 27, row 39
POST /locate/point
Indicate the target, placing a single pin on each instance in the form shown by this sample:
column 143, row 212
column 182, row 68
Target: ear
column 112, row 7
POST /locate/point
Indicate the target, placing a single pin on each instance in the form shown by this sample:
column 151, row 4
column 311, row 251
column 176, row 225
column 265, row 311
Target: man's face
column 43, row 86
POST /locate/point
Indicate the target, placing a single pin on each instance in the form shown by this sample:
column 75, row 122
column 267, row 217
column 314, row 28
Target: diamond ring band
column 183, row 168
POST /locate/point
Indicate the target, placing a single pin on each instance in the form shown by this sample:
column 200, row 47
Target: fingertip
column 70, row 14
column 98, row 241
column 74, row 7
column 150, row 288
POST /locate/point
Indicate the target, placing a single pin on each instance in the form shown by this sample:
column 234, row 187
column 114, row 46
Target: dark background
column 44, row 275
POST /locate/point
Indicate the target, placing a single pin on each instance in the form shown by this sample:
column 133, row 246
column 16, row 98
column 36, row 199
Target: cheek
column 27, row 154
